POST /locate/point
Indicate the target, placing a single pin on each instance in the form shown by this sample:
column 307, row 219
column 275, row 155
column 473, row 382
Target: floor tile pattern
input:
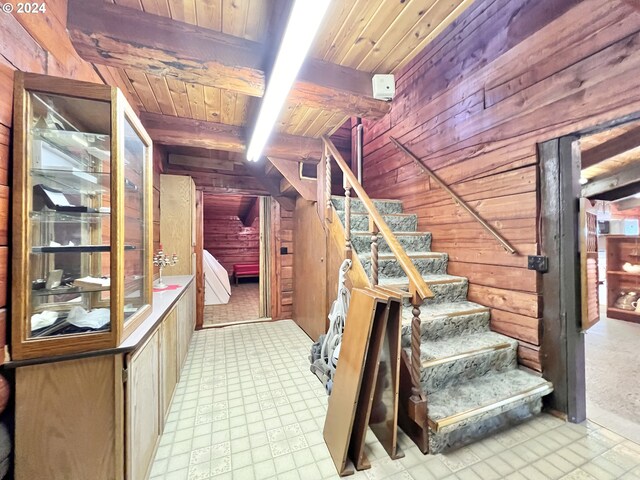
column 243, row 305
column 613, row 401
column 247, row 407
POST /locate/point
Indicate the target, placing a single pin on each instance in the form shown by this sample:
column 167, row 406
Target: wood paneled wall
column 229, row 240
column 281, row 262
column 35, row 43
column 473, row 106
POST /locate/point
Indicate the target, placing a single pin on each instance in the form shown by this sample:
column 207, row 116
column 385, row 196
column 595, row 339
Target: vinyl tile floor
column 613, row 375
column 246, row 407
column 243, row 305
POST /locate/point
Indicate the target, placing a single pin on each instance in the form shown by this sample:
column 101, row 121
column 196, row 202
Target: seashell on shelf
column 630, row 268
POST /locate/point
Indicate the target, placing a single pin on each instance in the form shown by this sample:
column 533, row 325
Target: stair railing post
column 373, row 228
column 416, row 340
column 327, row 178
column 347, row 219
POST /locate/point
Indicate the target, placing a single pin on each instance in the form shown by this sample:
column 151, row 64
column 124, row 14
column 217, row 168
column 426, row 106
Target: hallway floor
column 243, row 305
column 613, row 373
column 247, row 407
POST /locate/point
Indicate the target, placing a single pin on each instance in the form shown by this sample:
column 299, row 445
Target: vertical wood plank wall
column 282, row 264
column 473, row 105
column 39, row 44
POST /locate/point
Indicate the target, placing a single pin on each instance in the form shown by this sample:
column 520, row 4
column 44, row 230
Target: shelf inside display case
column 88, row 150
column 73, row 181
column 78, row 249
column 57, row 217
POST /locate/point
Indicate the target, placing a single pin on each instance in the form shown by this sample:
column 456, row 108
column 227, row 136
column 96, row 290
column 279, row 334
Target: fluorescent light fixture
column 583, row 181
column 304, row 22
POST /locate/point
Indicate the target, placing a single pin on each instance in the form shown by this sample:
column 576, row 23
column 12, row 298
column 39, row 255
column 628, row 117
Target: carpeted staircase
column 469, row 373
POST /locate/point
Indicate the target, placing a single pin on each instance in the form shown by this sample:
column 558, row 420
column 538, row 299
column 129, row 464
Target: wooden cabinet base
column 68, row 420
column 80, row 419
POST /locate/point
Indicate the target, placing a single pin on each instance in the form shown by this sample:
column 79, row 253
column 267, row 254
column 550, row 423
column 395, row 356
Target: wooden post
column 373, row 228
column 347, row 219
column 327, row 180
column 416, row 389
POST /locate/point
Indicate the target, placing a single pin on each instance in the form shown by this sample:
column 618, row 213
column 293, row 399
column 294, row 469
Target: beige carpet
column 613, row 376
column 243, row 305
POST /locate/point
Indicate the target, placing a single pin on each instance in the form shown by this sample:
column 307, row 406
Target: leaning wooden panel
column 343, row 401
column 54, row 404
column 384, row 416
column 369, row 387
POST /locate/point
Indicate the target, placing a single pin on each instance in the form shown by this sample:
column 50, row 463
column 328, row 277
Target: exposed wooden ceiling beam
column 611, row 148
column 221, row 184
column 122, row 37
column 168, row 130
column 629, row 175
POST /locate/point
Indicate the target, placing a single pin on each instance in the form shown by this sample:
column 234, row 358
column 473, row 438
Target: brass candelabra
column 162, row 260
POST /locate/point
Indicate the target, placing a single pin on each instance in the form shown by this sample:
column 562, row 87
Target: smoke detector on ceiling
column 384, row 87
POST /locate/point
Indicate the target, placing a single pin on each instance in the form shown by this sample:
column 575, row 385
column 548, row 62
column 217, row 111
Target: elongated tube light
column 304, row 22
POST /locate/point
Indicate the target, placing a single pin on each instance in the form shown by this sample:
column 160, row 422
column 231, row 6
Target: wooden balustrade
column 347, row 220
column 418, row 288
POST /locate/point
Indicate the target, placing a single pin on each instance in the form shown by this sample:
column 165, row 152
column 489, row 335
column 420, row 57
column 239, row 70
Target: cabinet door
column 186, row 322
column 143, row 409
column 168, row 360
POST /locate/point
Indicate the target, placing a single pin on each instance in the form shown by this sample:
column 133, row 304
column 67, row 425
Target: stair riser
column 411, row 244
column 404, row 223
column 460, row 435
column 446, row 327
column 358, row 207
column 445, row 292
column 458, row 371
column 392, row 269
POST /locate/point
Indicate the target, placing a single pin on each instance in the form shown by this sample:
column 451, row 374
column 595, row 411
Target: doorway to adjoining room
column 231, row 259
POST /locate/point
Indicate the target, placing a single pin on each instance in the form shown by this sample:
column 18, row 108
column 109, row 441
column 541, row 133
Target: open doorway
column 610, row 214
column 232, row 264
column 590, row 215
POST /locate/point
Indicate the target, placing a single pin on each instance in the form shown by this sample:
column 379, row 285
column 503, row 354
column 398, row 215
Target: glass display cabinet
column 82, row 273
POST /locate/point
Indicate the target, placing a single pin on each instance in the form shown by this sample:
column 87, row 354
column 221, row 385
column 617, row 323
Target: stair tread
column 339, row 197
column 397, row 234
column 431, row 350
column 410, row 254
column 447, row 309
column 359, row 214
column 429, row 278
column 481, row 394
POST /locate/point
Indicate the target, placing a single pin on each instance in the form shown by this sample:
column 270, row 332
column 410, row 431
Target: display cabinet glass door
column 135, row 211
column 69, row 141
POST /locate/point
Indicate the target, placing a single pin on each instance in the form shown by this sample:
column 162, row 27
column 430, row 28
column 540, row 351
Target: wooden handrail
column 417, row 284
column 456, row 198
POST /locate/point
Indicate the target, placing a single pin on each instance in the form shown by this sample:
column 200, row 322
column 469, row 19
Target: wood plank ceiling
column 375, row 36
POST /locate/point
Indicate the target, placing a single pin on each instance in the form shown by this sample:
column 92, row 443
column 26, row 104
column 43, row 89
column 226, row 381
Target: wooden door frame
column 563, row 352
column 264, row 285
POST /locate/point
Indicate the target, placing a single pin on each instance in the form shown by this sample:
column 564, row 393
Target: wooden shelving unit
column 622, row 249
